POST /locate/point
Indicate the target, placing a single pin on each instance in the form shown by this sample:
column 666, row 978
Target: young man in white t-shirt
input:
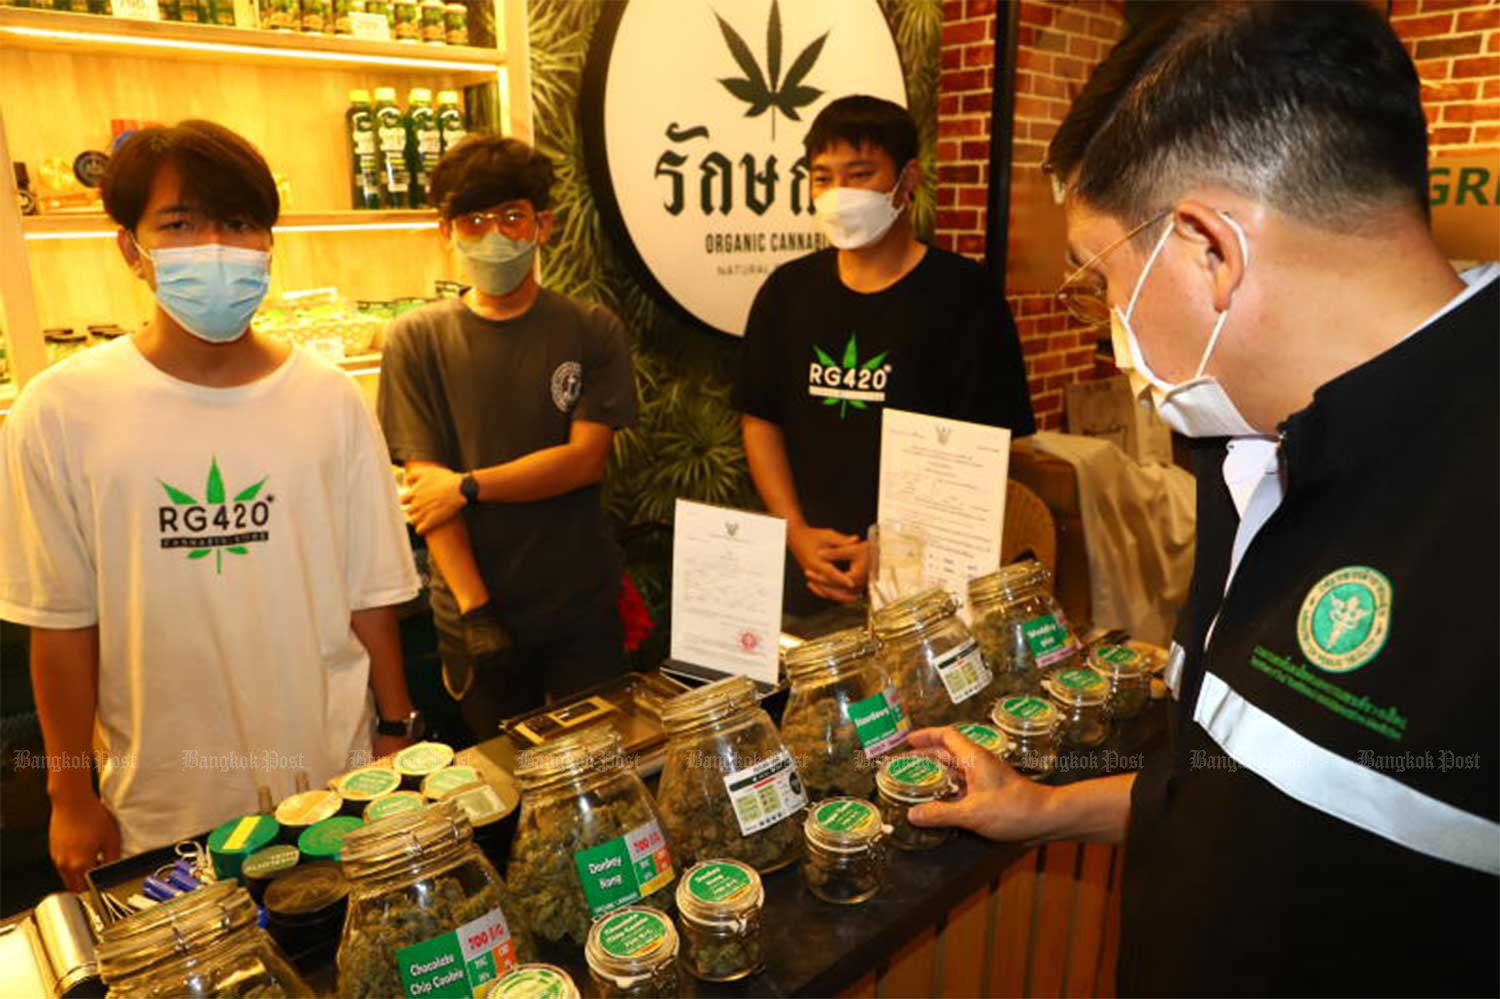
column 202, row 532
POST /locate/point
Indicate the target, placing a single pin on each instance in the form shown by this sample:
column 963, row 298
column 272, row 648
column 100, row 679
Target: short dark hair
column 484, row 170
column 861, row 120
column 223, row 175
column 1312, row 107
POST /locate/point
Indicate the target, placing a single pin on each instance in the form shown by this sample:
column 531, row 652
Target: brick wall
column 1456, row 46
column 1060, row 43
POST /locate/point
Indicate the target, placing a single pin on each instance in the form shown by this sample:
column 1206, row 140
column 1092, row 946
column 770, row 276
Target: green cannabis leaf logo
column 213, row 494
column 850, row 365
column 769, row 91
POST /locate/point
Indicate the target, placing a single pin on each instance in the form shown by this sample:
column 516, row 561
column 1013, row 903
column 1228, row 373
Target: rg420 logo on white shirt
column 215, row 525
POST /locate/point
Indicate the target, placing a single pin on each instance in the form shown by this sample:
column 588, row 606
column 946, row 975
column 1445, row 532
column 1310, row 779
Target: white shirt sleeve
column 381, row 571
column 47, row 568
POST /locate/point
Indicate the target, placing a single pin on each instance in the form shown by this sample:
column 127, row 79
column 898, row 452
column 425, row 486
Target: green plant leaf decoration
column 215, row 487
column 762, row 91
column 851, row 353
column 248, row 494
column 773, row 45
column 177, row 496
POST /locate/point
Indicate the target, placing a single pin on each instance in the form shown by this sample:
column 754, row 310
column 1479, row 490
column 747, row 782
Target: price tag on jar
column 766, row 793
column 460, row 962
column 963, row 671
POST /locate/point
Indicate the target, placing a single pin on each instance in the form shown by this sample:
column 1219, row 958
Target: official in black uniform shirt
column 834, row 337
column 1323, row 816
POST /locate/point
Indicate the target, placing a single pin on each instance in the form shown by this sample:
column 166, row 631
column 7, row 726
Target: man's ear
column 911, row 179
column 445, row 228
column 545, row 221
column 132, row 254
column 1219, row 248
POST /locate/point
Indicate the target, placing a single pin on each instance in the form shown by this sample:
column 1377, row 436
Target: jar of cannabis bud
column 589, row 839
column 847, row 857
column 720, row 903
column 842, row 714
column 1083, row 696
column 934, row 661
column 1020, row 626
column 1032, row 726
column 1129, row 676
column 421, row 895
column 990, row 739
column 729, row 788
column 632, row 954
column 535, row 981
column 906, row 781
column 206, row 943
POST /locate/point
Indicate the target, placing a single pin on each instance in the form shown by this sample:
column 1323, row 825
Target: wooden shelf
column 53, row 30
column 82, row 225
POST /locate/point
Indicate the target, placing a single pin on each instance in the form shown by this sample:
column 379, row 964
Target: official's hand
column 82, row 835
column 997, row 802
column 431, row 497
column 810, row 547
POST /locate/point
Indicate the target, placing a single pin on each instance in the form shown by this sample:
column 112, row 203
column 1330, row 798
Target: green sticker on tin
column 271, row 861
column 392, row 804
column 449, row 779
column 1079, row 679
column 1025, row 707
column 423, row 758
column 718, row 881
column 915, row 771
column 532, row 983
column 371, row 783
column 1119, row 655
column 847, row 815
column 326, row 838
column 981, row 735
column 631, row 934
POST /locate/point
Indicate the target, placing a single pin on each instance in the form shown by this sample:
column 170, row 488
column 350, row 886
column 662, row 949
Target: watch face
column 418, row 726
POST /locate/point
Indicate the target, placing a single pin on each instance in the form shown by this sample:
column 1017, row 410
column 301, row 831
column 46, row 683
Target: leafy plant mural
column 686, row 443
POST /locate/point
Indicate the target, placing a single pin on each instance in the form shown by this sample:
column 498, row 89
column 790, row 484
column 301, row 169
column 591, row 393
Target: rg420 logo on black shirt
column 850, row 384
column 215, row 525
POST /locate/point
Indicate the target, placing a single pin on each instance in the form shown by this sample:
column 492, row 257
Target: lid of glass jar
column 534, row 981
column 631, row 941
column 423, row 758
column 913, row 613
column 715, row 702
column 1009, row 582
column 368, row 784
column 1081, row 686
column 1025, row 715
column 911, row 778
column 192, row 921
column 404, row 836
column 844, row 825
column 719, row 890
column 571, row 756
column 991, row 739
column 1118, row 661
column 307, row 890
column 829, row 653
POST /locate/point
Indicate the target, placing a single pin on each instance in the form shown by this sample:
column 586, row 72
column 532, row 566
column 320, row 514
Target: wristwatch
column 413, row 726
column 468, row 487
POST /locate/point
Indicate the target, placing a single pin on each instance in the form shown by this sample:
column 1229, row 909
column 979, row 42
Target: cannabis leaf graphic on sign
column 213, row 492
column 850, row 365
column 770, row 91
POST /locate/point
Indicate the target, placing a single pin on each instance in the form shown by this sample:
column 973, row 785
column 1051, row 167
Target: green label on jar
column 532, row 983
column 1025, row 707
column 765, row 793
column 718, row 881
column 1080, row 679
column 448, row 779
column 369, row 783
column 631, row 934
column 424, row 757
column 392, row 804
column 918, row 771
column 625, row 869
column 981, row 735
column 1048, row 639
column 879, row 722
column 847, row 816
column 455, row 964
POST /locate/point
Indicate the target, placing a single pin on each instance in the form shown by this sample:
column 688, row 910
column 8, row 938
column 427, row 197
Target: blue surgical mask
column 497, row 263
column 212, row 290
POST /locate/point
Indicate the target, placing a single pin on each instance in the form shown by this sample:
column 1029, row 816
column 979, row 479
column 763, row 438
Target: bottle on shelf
column 193, row 11
column 450, row 119
column 221, row 12
column 424, row 146
column 390, row 135
column 315, row 19
column 363, row 151
column 23, row 190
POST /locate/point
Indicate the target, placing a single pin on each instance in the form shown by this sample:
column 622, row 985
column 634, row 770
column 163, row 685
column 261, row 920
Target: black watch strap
column 468, row 487
column 410, row 726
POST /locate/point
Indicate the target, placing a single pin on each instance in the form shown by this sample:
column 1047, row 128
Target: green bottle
column 390, row 137
column 423, row 144
column 363, row 154
column 450, row 118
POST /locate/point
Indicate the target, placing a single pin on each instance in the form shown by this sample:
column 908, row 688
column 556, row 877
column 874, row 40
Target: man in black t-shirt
column 502, row 406
column 1247, row 199
column 834, row 337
